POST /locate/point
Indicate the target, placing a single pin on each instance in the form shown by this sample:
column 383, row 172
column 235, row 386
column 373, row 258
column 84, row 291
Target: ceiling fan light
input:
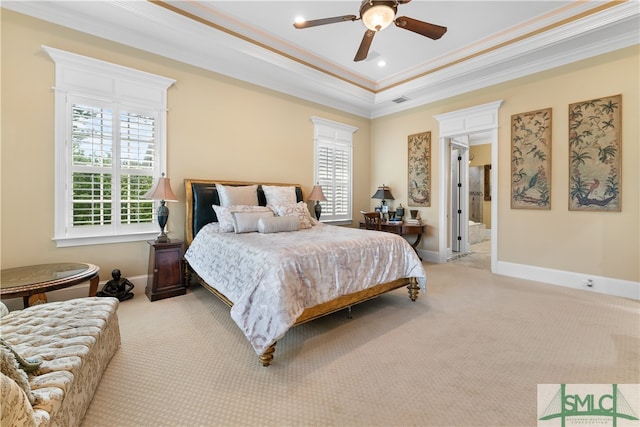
column 378, row 17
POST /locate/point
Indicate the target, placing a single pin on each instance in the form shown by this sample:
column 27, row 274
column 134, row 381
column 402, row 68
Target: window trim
column 328, row 132
column 77, row 75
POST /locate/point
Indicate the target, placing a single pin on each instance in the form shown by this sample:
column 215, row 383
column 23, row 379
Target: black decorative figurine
column 119, row 287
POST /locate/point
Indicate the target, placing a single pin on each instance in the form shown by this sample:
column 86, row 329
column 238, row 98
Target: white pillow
column 225, row 219
column 279, row 195
column 247, row 222
column 299, row 210
column 243, row 195
column 278, row 224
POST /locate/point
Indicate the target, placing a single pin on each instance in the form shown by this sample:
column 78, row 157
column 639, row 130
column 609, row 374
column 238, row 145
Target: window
column 110, row 144
column 333, row 167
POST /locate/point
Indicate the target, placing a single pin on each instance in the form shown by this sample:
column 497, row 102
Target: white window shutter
column 110, row 144
column 333, row 167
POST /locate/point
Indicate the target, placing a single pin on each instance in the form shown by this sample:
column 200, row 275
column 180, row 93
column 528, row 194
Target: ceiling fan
column 376, row 16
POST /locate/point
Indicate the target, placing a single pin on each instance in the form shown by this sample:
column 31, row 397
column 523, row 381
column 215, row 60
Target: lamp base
column 163, row 216
column 318, row 210
column 162, row 238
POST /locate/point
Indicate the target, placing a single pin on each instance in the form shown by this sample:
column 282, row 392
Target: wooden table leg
column 415, row 244
column 36, row 299
column 93, row 285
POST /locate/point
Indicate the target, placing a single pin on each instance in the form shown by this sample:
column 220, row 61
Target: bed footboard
column 323, row 309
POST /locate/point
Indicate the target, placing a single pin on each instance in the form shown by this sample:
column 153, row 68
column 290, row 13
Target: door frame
column 481, row 118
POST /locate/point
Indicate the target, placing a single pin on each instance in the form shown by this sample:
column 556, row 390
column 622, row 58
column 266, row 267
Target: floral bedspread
column 272, row 278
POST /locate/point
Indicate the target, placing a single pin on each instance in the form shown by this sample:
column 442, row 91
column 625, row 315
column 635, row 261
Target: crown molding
column 148, row 27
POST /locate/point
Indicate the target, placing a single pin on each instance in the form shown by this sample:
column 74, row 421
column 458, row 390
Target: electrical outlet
column 588, row 283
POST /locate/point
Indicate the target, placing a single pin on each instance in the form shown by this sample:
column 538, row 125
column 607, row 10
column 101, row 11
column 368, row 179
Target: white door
column 459, row 211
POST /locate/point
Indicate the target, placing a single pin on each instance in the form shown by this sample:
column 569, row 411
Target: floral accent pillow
column 277, row 195
column 299, row 209
column 10, row 366
column 3, row 310
column 244, row 195
column 225, row 217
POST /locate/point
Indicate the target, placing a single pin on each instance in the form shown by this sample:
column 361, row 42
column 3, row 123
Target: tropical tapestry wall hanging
column 594, row 154
column 419, row 169
column 531, row 160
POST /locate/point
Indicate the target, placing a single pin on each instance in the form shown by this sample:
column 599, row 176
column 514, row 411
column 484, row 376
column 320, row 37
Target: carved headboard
column 201, row 194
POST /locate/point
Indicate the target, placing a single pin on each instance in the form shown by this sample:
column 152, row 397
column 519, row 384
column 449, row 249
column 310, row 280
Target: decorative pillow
column 243, row 195
column 225, row 219
column 247, row 222
column 3, row 310
column 278, row 224
column 277, row 195
column 10, row 367
column 26, row 364
column 299, row 209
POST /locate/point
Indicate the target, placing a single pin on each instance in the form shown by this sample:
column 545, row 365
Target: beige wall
column 603, row 244
column 218, row 128
column 221, row 128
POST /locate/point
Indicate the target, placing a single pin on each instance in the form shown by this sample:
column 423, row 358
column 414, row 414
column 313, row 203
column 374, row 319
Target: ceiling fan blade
column 424, row 28
column 363, row 50
column 324, row 21
column 403, row 1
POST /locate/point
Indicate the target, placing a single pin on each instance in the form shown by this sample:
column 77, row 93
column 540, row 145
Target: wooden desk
column 403, row 230
column 32, row 281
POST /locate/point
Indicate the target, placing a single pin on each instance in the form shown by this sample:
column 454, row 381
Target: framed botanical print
column 531, row 160
column 595, row 141
column 419, row 184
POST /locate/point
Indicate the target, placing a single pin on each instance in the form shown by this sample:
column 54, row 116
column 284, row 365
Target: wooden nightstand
column 165, row 278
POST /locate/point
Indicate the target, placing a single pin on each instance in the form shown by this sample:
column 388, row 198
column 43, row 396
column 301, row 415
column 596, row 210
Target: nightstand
column 165, row 278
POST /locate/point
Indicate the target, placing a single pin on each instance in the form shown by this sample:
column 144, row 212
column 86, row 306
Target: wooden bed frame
column 200, row 195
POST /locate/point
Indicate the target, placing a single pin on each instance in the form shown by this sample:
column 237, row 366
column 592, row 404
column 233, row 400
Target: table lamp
column 317, row 195
column 161, row 190
column 385, row 194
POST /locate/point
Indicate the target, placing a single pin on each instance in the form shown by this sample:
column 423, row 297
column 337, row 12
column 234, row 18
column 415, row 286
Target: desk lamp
column 161, row 190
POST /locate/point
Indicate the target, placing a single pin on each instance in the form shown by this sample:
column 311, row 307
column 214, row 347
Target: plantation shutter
column 334, row 175
column 137, row 163
column 110, row 143
column 113, row 153
column 333, row 144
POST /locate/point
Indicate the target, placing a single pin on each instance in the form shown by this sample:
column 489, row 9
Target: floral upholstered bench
column 53, row 357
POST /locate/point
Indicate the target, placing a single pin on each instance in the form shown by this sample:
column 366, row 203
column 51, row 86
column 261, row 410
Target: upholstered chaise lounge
column 74, row 340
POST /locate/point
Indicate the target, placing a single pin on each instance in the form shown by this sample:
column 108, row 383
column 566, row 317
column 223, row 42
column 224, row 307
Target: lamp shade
column 383, row 193
column 161, row 190
column 316, row 193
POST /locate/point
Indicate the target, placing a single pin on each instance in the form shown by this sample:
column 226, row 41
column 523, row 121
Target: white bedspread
column 272, row 278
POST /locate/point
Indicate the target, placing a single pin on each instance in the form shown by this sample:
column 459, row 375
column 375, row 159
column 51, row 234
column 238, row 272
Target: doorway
column 455, row 130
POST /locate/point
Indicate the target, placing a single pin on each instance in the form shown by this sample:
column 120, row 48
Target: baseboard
column 599, row 284
column 430, row 256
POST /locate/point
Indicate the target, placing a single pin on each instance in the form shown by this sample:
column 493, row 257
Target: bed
column 273, row 281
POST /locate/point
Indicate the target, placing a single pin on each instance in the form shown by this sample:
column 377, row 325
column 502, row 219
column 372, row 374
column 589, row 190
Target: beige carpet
column 468, row 353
